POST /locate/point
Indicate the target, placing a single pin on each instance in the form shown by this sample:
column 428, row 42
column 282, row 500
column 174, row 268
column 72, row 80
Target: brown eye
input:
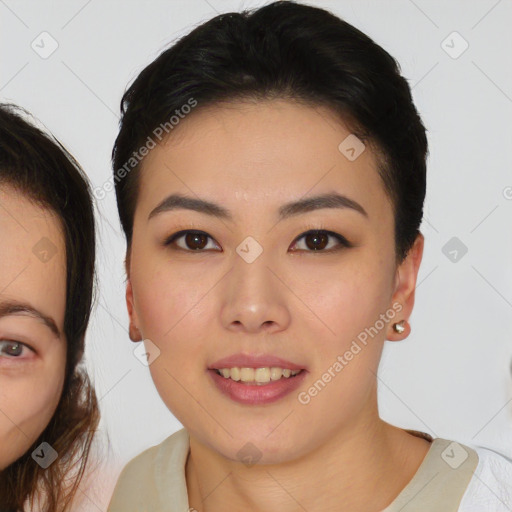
column 193, row 240
column 318, row 240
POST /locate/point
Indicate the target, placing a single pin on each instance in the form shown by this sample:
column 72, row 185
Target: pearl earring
column 399, row 327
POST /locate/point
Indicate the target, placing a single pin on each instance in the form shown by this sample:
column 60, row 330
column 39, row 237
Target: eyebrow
column 13, row 307
column 330, row 200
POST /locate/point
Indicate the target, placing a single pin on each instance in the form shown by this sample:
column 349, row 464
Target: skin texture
column 292, row 302
column 31, row 382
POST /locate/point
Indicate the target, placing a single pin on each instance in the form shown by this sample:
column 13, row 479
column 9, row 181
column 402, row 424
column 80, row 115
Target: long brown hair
column 37, row 165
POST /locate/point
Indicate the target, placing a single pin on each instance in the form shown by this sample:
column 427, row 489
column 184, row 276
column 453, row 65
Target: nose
column 254, row 297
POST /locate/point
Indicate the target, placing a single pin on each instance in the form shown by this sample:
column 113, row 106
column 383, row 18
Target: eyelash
column 11, row 342
column 343, row 242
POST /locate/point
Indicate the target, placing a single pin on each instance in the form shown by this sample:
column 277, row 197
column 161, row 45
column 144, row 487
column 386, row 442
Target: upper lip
column 253, row 361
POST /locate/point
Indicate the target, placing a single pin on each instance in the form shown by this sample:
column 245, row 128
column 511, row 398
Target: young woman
column 48, row 408
column 270, row 177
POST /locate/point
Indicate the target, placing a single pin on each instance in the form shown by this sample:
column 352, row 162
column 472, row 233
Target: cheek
column 168, row 299
column 348, row 302
column 174, row 311
column 28, row 404
column 172, row 315
column 347, row 298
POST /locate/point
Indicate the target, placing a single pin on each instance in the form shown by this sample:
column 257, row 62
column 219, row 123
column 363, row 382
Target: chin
column 251, row 448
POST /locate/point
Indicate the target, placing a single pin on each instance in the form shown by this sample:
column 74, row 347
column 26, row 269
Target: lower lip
column 254, row 394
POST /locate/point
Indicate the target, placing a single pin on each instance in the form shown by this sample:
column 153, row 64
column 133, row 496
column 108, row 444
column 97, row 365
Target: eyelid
column 320, row 226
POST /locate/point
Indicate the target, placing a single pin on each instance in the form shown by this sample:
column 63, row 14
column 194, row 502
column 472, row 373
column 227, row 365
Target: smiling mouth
column 257, row 376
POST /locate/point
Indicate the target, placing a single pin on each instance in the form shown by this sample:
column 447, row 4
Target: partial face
column 32, row 305
column 300, row 284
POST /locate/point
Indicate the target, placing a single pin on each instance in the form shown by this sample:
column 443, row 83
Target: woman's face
column 254, row 285
column 32, row 304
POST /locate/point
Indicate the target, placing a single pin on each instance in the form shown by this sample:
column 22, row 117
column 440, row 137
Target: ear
column 405, row 287
column 135, row 334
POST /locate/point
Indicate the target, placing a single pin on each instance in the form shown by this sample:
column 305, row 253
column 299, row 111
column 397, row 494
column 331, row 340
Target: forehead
column 261, row 152
column 33, row 255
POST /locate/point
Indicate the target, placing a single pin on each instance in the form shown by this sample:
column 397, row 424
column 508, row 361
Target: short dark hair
column 290, row 51
column 40, row 168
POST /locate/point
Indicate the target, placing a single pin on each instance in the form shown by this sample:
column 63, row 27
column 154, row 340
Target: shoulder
column 140, row 482
column 490, row 487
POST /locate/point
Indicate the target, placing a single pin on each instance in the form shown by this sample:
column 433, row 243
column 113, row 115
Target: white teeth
column 257, row 375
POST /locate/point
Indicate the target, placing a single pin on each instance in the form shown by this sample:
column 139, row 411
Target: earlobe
column 134, row 332
column 405, row 287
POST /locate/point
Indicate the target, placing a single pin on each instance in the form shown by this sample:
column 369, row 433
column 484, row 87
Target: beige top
column 154, row 481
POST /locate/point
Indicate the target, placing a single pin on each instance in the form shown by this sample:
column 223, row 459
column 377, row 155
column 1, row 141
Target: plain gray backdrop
column 68, row 62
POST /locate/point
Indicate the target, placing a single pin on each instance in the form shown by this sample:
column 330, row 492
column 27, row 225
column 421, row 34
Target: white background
column 451, row 377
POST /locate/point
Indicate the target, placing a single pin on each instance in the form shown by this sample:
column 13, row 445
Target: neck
column 361, row 467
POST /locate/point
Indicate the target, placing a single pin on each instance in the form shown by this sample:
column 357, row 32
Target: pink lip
column 253, row 394
column 254, row 361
